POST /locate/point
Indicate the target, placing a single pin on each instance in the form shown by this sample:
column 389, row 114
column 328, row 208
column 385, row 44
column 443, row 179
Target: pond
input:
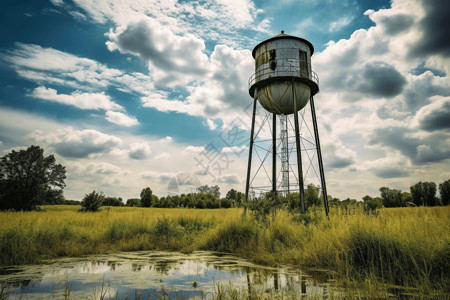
column 154, row 275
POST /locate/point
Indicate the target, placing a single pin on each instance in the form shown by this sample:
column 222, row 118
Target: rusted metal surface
column 278, row 63
column 286, row 70
column 283, row 36
column 275, row 97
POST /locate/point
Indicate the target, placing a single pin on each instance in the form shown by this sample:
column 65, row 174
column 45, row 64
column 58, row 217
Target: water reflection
column 153, row 275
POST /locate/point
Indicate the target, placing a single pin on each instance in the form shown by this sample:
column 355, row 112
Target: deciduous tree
column 235, row 196
column 391, row 197
column 312, row 195
column 28, row 179
column 372, row 204
column 146, row 197
column 424, row 193
column 444, row 192
column 205, row 189
column 112, row 201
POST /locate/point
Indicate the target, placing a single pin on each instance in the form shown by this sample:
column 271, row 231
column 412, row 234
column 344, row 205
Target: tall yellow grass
column 28, row 237
column 407, row 246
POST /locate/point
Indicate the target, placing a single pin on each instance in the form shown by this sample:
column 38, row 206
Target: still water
column 153, row 275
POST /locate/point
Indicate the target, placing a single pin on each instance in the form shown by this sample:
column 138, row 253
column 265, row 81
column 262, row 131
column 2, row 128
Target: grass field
column 397, row 246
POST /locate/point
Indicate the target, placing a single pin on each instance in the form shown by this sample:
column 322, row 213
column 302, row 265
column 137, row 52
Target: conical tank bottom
column 277, row 97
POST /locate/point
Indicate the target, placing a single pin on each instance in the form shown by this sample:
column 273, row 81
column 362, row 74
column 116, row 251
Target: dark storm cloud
column 337, row 157
column 381, row 80
column 138, row 38
column 395, row 137
column 76, row 150
column 415, row 96
column 342, row 61
column 230, row 179
column 390, row 112
column 212, row 111
column 139, row 152
column 431, row 148
column 390, row 173
column 437, row 119
column 398, row 23
column 138, row 155
column 170, row 53
column 340, row 163
column 436, row 29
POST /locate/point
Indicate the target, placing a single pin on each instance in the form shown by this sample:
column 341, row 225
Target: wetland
column 152, row 274
column 63, row 252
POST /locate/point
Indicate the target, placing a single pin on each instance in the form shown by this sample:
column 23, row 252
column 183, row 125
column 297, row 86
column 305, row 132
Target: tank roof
column 282, row 35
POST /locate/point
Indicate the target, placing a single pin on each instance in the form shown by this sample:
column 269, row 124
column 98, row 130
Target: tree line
column 420, row 194
column 206, row 197
column 29, row 179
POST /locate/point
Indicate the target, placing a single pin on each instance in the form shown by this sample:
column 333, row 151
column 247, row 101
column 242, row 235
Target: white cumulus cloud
column 194, row 149
column 211, row 125
column 71, row 143
column 77, row 99
column 121, row 119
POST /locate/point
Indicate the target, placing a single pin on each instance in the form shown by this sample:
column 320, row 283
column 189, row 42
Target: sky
column 146, row 93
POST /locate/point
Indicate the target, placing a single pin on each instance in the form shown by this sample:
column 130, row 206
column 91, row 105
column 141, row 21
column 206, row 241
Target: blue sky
column 129, row 94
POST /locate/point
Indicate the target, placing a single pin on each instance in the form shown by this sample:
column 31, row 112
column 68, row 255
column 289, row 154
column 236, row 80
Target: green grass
column 398, row 246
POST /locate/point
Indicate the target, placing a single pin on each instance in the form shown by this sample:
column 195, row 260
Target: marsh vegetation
column 407, row 247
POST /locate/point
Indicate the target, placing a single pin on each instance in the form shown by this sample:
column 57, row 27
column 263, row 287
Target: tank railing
column 284, row 68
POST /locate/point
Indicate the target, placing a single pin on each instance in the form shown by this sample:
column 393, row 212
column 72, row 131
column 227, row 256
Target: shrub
column 312, row 216
column 133, row 202
column 116, row 231
column 194, row 225
column 233, row 236
column 371, row 205
column 92, row 201
column 167, row 229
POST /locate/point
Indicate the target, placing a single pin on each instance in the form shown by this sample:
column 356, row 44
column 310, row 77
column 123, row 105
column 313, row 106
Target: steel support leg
column 250, row 152
column 319, row 157
column 274, row 157
column 299, row 155
column 287, row 155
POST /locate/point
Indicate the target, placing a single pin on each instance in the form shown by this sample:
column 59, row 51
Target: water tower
column 284, row 84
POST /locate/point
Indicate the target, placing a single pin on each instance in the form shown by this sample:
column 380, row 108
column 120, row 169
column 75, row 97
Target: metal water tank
column 282, row 72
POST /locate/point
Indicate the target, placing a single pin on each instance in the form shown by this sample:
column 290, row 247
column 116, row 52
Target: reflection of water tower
column 283, row 84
